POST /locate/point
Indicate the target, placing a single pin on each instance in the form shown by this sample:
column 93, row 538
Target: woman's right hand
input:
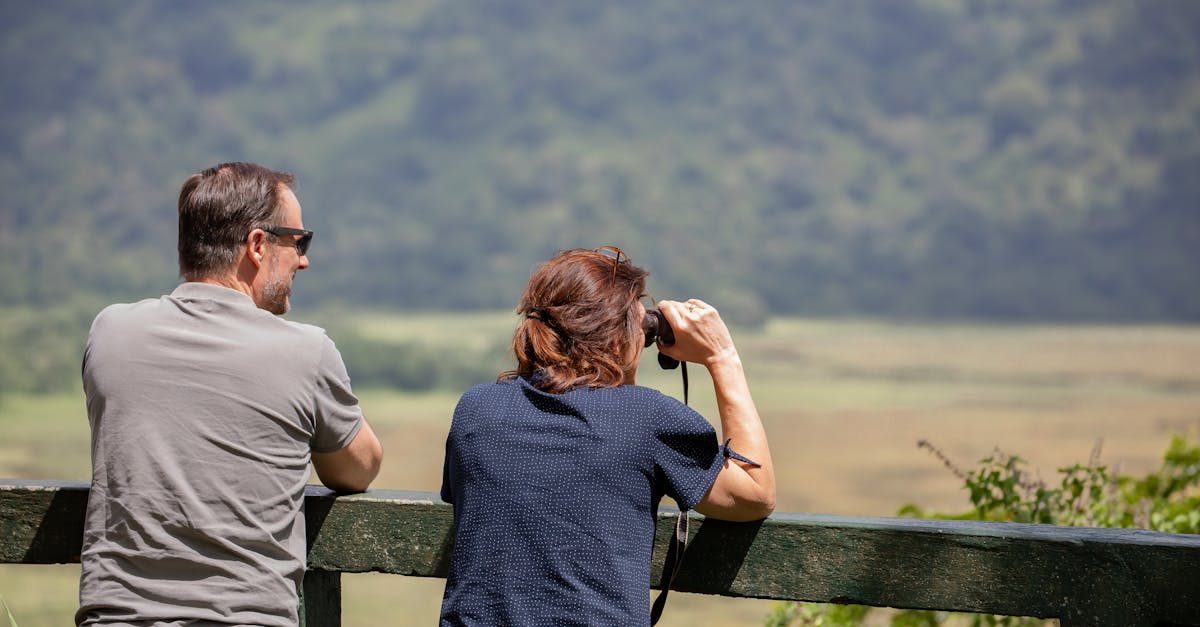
column 741, row 491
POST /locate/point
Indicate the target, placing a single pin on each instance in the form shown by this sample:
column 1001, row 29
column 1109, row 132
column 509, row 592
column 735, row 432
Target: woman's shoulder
column 642, row 399
column 488, row 390
column 647, row 412
column 651, row 394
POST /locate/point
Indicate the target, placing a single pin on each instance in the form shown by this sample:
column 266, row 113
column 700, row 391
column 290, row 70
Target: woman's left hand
column 701, row 336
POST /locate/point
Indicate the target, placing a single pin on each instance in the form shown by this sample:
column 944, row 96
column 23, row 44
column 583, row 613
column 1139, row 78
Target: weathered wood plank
column 1086, row 576
column 321, row 599
column 405, row 533
column 1083, row 576
column 42, row 522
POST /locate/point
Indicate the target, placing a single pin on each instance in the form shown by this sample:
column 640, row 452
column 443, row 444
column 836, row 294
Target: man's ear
column 256, row 247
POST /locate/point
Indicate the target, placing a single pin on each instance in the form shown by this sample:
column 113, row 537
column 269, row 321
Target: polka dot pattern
column 555, row 498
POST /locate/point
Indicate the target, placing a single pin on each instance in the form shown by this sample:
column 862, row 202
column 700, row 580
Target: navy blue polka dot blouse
column 555, row 497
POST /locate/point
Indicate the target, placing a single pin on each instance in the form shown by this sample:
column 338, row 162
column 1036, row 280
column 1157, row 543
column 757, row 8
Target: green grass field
column 844, row 403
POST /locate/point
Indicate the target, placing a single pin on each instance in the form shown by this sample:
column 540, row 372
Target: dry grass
column 845, row 403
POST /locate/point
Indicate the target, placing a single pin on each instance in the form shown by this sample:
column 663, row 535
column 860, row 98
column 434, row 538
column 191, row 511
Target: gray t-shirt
column 204, row 411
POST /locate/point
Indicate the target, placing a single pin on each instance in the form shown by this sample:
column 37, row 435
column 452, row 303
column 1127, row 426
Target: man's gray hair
column 217, row 210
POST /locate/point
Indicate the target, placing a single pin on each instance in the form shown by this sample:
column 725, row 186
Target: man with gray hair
column 205, row 410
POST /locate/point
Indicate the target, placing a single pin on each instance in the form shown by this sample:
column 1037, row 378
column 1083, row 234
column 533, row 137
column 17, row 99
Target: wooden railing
column 1082, row 576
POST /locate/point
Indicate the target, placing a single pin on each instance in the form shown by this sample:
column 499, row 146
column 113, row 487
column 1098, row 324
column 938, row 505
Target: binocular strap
column 683, row 370
column 671, row 564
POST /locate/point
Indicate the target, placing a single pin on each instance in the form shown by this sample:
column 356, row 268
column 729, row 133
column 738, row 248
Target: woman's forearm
column 740, row 422
column 742, row 491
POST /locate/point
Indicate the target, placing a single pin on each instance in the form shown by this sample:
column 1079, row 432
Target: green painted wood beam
column 1083, row 576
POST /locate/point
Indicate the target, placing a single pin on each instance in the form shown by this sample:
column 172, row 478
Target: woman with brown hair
column 555, row 471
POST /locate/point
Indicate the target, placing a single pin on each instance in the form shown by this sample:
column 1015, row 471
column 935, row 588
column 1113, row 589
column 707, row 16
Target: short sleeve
column 338, row 416
column 687, row 456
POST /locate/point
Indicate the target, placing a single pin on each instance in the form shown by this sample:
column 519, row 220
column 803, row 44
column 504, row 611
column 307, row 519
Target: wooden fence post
column 321, row 599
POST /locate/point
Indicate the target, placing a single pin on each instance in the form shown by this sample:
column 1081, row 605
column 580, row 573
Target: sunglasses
column 616, row 254
column 301, row 243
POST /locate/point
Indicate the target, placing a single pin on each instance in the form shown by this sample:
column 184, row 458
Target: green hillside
column 1018, row 159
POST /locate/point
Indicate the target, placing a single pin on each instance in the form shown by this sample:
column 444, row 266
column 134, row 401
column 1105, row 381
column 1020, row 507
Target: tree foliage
column 1017, row 160
column 417, row 365
column 1001, row 488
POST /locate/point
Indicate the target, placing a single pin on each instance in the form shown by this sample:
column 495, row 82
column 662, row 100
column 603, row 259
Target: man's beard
column 275, row 296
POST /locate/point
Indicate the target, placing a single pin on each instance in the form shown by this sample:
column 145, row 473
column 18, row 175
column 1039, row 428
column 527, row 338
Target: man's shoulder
column 170, row 310
column 308, row 332
column 118, row 313
column 299, row 328
column 154, row 301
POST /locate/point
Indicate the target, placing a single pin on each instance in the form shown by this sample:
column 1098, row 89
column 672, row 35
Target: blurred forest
column 1013, row 160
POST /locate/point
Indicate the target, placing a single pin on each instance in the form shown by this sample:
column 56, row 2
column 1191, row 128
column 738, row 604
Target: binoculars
column 656, row 328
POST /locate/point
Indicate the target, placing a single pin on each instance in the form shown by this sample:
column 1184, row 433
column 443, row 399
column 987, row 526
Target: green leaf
column 12, row 622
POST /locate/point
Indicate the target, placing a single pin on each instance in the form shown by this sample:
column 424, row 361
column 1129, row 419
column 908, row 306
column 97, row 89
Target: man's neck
column 229, row 281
